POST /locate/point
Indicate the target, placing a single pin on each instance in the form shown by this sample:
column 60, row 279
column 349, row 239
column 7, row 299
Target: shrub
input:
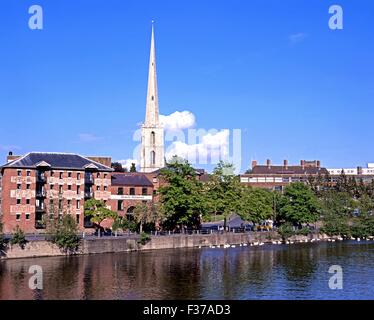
column 63, row 233
column 303, row 231
column 335, row 226
column 18, row 237
column 286, row 230
column 144, row 238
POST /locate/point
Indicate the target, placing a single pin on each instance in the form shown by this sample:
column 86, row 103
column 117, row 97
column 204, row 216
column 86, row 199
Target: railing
column 41, row 194
column 40, row 207
column 88, row 195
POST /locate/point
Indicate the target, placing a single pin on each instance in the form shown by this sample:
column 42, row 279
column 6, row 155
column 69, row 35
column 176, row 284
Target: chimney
column 318, row 164
column 285, row 164
column 254, row 164
column 10, row 153
column 302, row 163
column 268, row 163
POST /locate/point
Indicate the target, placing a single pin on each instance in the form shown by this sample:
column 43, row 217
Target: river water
column 297, row 271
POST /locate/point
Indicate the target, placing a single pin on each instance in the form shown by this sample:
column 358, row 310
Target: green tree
column 146, row 213
column 256, row 204
column 365, row 204
column 337, row 203
column 299, row 204
column 224, row 192
column 62, row 231
column 98, row 212
column 133, row 167
column 181, row 196
column 18, row 237
column 118, row 167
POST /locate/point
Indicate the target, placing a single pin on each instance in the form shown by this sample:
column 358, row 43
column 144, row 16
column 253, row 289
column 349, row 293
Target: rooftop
column 131, row 179
column 65, row 161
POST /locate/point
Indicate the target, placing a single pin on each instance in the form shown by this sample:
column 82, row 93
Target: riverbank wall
column 121, row 244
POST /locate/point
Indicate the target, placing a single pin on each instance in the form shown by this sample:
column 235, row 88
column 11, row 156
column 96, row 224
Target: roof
column 131, row 179
column 263, row 170
column 68, row 161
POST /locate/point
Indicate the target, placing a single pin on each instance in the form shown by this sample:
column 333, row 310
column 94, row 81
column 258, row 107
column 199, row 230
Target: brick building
column 276, row 177
column 128, row 190
column 37, row 185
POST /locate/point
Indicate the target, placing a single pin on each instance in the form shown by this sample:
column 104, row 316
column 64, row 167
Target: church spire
column 151, row 118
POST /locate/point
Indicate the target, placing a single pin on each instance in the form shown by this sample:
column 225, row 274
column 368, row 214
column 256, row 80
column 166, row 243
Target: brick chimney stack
column 302, row 163
column 254, row 164
column 268, row 163
column 318, row 164
column 285, row 164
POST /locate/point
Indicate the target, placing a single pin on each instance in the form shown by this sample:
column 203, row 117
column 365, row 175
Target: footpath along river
column 297, row 271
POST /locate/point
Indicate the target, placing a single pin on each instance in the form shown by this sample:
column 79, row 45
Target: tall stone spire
column 151, row 118
column 152, row 149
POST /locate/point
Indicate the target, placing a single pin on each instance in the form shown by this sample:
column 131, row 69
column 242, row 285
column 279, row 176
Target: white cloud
column 88, row 137
column 128, row 162
column 297, row 37
column 178, row 120
column 212, row 147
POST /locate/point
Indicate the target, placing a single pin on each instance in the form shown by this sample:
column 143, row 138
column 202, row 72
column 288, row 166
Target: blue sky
column 273, row 69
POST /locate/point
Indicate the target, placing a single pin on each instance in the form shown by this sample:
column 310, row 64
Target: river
column 298, row 271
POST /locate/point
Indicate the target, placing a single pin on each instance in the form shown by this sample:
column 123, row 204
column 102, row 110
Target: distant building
column 359, row 173
column 37, row 185
column 276, row 177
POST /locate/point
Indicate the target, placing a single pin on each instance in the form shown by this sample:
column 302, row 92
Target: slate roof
column 131, row 179
column 264, row 170
column 63, row 161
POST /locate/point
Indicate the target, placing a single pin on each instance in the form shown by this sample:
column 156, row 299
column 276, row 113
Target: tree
column 133, row 167
column 145, row 213
column 257, row 204
column 337, row 203
column 366, row 205
column 181, row 197
column 224, row 192
column 118, row 167
column 63, row 232
column 98, row 212
column 299, row 204
column 18, row 237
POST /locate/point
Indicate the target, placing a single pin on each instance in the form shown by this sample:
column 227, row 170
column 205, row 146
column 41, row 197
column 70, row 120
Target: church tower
column 152, row 150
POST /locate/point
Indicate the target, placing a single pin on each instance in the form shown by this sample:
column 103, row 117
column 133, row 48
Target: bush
column 286, row 230
column 18, row 237
column 303, row 231
column 336, row 226
column 63, row 233
column 144, row 238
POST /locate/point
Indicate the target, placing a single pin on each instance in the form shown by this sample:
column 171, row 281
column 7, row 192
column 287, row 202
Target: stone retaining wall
column 116, row 245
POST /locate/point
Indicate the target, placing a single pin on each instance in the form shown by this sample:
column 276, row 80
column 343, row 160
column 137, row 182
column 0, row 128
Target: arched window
column 153, row 157
column 153, row 138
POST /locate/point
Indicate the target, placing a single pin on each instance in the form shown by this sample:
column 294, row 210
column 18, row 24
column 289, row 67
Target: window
column 120, row 205
column 69, row 204
column 27, row 216
column 120, row 191
column 52, row 173
column 105, row 188
column 78, row 189
column 61, row 175
column 69, row 174
column 78, row 218
column 154, row 192
column 52, row 186
column 105, row 175
column 60, row 189
column 69, row 187
column 18, row 216
column 60, row 204
column 28, row 201
column 98, row 174
column 78, row 176
column 28, row 173
column 153, row 157
column 78, row 204
column 18, row 201
column 19, row 173
column 132, row 191
column 19, row 186
column 153, row 138
column 28, row 186
column 98, row 188
column 144, row 191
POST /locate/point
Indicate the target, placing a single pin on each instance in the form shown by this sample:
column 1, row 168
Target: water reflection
column 273, row 272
